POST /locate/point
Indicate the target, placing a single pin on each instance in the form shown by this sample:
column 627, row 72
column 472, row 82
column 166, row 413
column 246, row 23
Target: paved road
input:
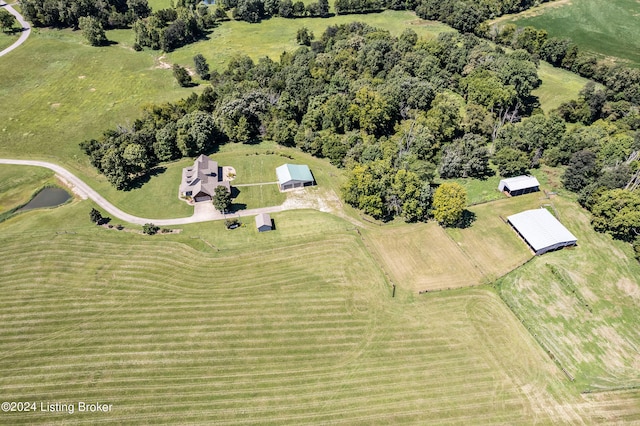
column 26, row 28
column 203, row 212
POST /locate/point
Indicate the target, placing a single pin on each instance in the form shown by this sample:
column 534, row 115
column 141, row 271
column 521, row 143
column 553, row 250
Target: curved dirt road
column 26, row 29
column 203, row 212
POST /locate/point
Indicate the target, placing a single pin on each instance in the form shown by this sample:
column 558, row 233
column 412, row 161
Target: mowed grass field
column 426, row 257
column 609, row 29
column 583, row 305
column 557, row 86
column 251, row 331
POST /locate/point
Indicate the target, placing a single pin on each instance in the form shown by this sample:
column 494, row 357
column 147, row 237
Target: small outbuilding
column 541, row 230
column 294, row 176
column 519, row 185
column 263, row 222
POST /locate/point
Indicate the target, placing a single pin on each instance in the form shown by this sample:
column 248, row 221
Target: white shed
column 541, row 230
column 519, row 185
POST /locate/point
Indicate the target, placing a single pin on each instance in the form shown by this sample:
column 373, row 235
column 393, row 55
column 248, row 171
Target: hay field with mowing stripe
column 583, row 304
column 255, row 333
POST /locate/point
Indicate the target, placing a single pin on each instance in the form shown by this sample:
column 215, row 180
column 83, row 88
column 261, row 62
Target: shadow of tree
column 467, row 219
column 142, row 179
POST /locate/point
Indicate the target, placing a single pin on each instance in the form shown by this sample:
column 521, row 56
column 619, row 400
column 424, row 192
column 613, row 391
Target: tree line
column 67, row 14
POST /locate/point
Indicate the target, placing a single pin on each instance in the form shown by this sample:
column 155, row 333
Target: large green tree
column 7, row 21
column 449, row 203
column 92, row 30
column 582, row 170
column 618, row 213
column 222, row 199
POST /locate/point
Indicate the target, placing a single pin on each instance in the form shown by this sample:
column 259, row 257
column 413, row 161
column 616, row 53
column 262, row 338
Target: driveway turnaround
column 26, row 28
column 203, row 212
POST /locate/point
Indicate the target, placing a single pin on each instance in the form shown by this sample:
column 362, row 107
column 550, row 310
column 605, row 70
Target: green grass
column 167, row 333
column 558, row 86
column 19, row 183
column 609, row 29
column 69, row 92
column 276, row 35
column 481, row 191
column 583, row 304
column 294, row 326
column 7, row 40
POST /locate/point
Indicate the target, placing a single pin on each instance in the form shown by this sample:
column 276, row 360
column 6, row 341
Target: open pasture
column 583, row 304
column 609, row 29
column 275, row 35
column 259, row 333
column 490, row 244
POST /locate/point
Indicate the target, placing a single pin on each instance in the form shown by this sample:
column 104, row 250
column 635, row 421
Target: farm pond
column 48, row 197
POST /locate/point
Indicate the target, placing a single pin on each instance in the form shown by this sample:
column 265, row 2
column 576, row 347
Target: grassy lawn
column 557, row 86
column 480, row 190
column 484, row 190
column 18, row 184
column 250, row 197
column 609, row 29
column 583, row 304
column 276, row 35
column 7, row 40
column 173, row 332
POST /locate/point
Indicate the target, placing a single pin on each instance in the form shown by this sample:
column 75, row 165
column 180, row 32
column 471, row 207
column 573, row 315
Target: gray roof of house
column 293, row 172
column 541, row 229
column 519, row 182
column 203, row 176
column 263, row 219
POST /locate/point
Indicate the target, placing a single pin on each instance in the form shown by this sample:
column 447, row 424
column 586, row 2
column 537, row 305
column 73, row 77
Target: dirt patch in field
column 629, row 288
column 619, row 355
column 56, row 105
column 161, row 64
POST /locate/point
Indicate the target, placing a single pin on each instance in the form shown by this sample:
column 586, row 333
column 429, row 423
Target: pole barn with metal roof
column 541, row 230
column 519, row 185
column 294, row 176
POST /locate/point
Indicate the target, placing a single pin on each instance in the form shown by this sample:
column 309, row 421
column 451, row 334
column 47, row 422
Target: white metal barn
column 519, row 185
column 293, row 176
column 541, row 230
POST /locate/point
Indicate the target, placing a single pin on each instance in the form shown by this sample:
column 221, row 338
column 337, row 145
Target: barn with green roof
column 294, row 176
